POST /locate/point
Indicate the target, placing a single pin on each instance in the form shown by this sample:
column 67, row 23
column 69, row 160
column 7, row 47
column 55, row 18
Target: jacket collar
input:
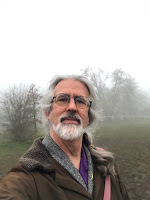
column 58, row 154
column 37, row 157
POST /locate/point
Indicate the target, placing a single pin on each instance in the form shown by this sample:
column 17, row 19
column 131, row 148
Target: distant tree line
column 118, row 95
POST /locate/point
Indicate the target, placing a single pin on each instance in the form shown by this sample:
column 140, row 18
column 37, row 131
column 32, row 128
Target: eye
column 62, row 99
column 81, row 100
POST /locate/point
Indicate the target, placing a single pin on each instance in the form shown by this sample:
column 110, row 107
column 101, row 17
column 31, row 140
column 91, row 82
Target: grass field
column 9, row 154
column 130, row 143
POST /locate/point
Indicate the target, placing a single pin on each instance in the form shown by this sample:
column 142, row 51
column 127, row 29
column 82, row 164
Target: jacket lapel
column 65, row 181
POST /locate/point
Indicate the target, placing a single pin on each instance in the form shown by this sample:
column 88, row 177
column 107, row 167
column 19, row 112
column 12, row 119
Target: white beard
column 68, row 131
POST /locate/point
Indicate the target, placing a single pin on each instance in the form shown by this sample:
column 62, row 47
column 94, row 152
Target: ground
column 130, row 143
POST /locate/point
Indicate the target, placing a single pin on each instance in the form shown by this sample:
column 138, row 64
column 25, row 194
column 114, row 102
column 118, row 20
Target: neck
column 71, row 148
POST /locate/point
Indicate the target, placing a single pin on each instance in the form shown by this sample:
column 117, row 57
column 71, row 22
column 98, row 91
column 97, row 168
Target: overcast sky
column 39, row 39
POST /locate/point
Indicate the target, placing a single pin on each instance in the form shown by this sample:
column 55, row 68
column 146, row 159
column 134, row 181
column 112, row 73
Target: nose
column 71, row 106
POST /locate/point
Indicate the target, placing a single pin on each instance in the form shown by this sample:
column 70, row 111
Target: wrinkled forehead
column 70, row 86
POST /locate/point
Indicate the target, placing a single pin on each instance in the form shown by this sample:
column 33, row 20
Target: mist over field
column 106, row 41
column 123, row 125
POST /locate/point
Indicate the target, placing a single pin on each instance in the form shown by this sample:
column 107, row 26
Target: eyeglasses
column 64, row 99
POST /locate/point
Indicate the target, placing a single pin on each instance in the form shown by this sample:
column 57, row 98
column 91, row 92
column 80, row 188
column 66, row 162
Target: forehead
column 70, row 86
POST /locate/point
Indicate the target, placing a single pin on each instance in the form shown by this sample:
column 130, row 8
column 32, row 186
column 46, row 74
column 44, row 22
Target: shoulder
column 36, row 158
column 18, row 184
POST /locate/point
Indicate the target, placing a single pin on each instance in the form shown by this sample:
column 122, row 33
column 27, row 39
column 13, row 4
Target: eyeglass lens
column 80, row 101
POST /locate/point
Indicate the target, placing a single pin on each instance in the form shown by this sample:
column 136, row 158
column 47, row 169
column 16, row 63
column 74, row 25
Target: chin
column 68, row 132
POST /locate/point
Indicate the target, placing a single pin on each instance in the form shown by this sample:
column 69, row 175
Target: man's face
column 72, row 88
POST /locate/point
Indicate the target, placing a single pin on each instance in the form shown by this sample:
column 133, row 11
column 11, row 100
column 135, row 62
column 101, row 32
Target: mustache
column 70, row 116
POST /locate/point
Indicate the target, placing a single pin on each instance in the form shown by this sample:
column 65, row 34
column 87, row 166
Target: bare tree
column 35, row 97
column 124, row 93
column 117, row 93
column 18, row 110
column 98, row 80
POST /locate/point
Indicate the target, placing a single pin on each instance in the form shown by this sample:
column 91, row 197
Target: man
column 65, row 165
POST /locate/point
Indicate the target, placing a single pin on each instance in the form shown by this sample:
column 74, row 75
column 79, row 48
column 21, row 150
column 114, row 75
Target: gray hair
column 102, row 159
column 46, row 106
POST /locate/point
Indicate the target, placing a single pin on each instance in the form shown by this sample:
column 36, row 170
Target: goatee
column 69, row 131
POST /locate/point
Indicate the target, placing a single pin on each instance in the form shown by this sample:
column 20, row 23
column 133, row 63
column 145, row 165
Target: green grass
column 10, row 153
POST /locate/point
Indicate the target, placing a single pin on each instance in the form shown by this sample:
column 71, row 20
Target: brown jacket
column 40, row 177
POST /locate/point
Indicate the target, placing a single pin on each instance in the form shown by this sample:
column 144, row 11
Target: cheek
column 85, row 119
column 54, row 115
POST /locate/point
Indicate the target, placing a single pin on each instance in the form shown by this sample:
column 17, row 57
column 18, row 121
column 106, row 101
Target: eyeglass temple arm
column 52, row 99
column 90, row 103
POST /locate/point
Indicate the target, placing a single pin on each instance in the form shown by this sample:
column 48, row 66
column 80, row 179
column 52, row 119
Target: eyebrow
column 73, row 96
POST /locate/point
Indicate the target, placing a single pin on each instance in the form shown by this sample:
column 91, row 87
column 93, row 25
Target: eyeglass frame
column 54, row 97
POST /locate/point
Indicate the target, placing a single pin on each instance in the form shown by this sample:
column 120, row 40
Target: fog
column 39, row 39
